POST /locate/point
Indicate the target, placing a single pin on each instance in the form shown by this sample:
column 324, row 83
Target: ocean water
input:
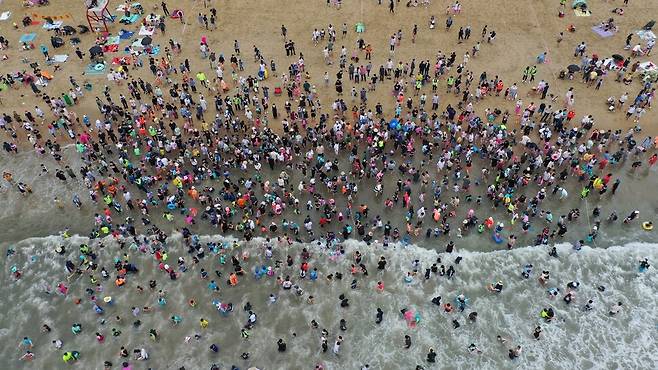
column 575, row 339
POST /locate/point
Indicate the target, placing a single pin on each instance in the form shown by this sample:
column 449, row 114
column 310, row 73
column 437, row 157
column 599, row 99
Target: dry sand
column 524, row 29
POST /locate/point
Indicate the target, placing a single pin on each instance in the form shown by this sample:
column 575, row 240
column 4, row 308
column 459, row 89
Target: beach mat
column 124, row 7
column 601, row 32
column 52, row 26
column 28, row 37
column 646, row 35
column 60, row 58
column 580, row 13
column 110, row 48
column 93, row 69
column 129, row 20
column 125, row 35
column 121, row 60
column 146, row 31
column 113, row 40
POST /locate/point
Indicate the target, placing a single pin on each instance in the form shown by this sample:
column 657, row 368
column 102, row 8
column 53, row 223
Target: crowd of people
column 173, row 148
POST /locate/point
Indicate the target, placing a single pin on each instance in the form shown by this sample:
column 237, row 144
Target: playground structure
column 97, row 15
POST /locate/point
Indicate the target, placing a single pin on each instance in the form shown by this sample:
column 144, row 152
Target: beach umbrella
column 617, row 57
column 573, row 68
column 146, row 41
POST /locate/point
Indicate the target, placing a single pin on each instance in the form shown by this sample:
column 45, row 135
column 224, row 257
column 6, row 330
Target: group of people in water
column 176, row 152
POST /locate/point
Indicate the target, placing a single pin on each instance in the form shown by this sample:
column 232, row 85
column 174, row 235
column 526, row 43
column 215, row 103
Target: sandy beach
column 483, row 183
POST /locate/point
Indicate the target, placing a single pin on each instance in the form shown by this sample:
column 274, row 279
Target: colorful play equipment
column 97, row 15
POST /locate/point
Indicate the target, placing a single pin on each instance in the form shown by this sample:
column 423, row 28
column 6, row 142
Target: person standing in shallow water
column 337, row 345
column 431, row 356
column 281, row 345
column 379, row 317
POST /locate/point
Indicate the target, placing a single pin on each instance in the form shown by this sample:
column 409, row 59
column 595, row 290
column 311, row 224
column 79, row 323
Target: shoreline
column 264, row 183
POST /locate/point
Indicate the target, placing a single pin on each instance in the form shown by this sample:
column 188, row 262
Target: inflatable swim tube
column 647, row 225
column 497, row 238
